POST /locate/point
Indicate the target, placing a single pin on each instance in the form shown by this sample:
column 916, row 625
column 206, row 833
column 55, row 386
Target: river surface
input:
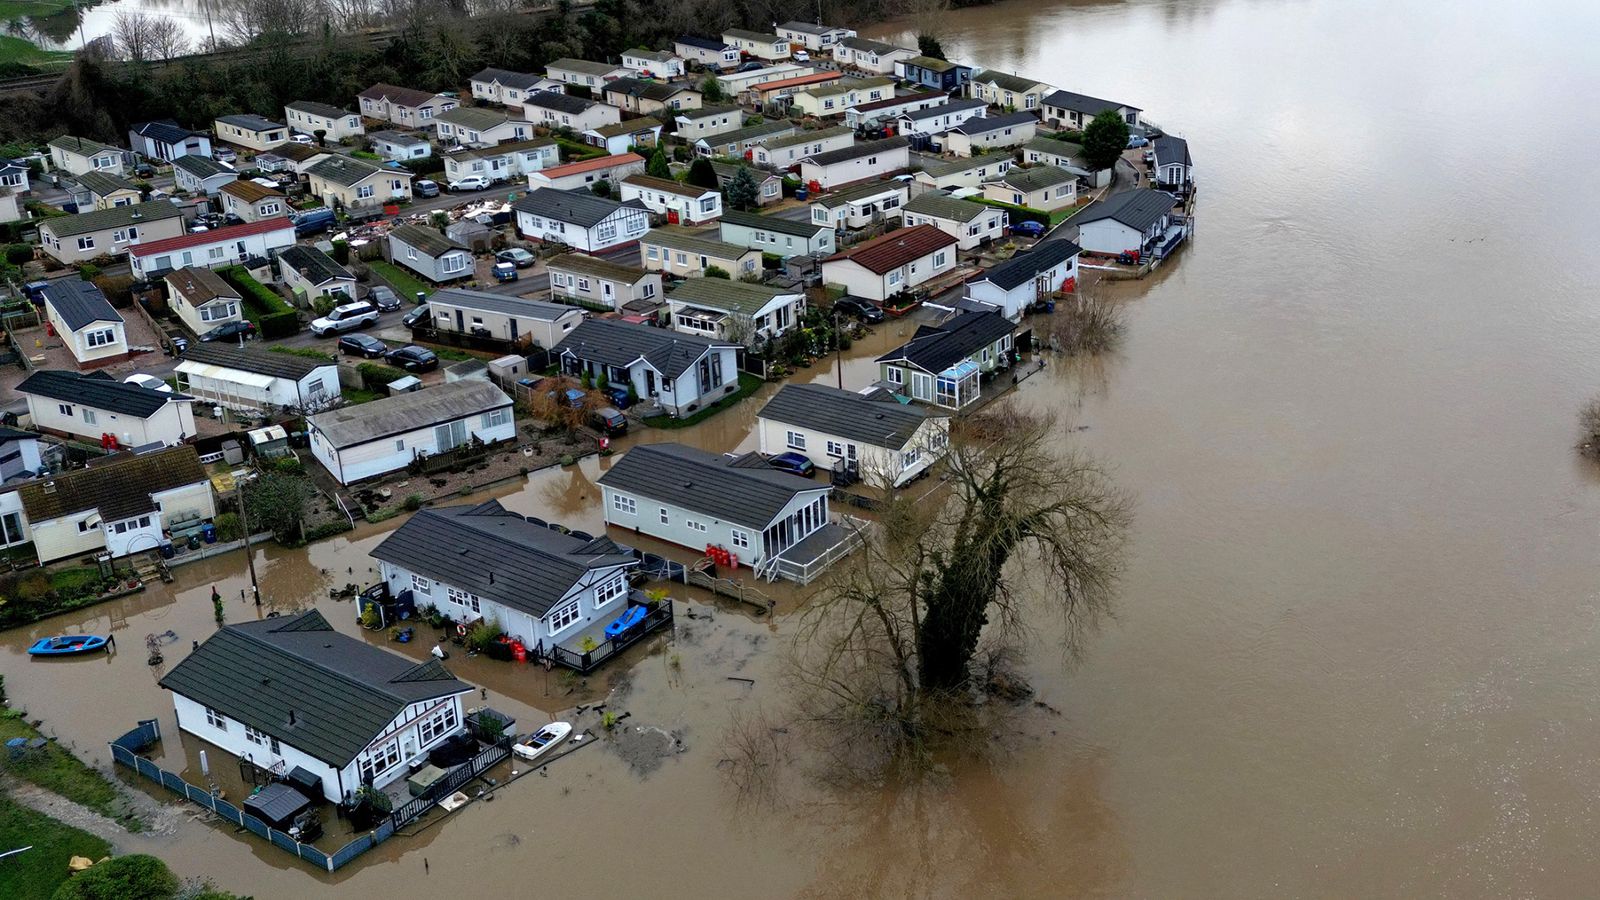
column 1355, row 651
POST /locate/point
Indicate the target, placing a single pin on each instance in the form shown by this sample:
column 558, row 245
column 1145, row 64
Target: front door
column 461, row 322
column 408, row 747
column 851, row 463
column 649, row 382
column 608, row 293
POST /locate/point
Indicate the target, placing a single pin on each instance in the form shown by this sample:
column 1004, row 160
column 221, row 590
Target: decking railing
column 450, row 783
column 585, row 662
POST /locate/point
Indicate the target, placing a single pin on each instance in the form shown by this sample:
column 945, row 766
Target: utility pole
column 838, row 350
column 249, row 555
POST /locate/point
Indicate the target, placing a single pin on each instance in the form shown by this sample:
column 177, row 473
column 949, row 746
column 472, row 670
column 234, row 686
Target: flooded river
column 1356, row 646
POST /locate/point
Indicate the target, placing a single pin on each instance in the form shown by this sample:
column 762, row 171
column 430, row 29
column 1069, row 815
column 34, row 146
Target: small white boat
column 542, row 740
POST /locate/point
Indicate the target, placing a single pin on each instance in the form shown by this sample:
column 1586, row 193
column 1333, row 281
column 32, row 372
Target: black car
column 231, row 331
column 418, row 316
column 412, row 358
column 144, row 170
column 859, row 308
column 362, row 345
column 385, row 299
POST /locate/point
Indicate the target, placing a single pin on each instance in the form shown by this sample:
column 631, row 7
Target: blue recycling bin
column 166, row 550
column 208, row 533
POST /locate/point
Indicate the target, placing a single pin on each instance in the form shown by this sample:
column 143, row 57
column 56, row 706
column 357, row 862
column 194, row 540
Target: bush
column 136, row 877
column 483, row 634
column 272, row 315
column 413, row 502
column 375, row 377
column 717, row 272
column 341, row 252
column 17, row 254
column 1019, row 213
column 229, row 528
column 288, row 465
column 88, row 271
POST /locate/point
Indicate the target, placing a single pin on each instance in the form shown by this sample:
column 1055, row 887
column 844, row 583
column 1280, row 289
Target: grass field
column 404, row 283
column 17, row 50
column 55, row 768
column 35, row 874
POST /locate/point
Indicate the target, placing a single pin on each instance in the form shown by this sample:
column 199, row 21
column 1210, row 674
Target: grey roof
column 806, row 137
column 934, row 348
column 498, row 555
column 596, row 267
column 166, row 131
column 255, row 359
column 98, row 391
column 707, row 112
column 846, row 85
column 648, row 89
column 578, row 207
column 807, row 27
column 701, row 42
column 748, row 35
column 315, row 266
column 988, row 124
column 103, row 183
column 519, row 80
column 79, row 303
column 616, row 343
column 1083, row 103
column 696, row 480
column 628, row 126
column 726, row 295
column 677, row 237
column 727, row 170
column 932, row 64
column 326, row 110
column 1169, row 149
column 772, row 223
column 883, row 422
column 501, row 303
column 473, row 117
column 917, row 115
column 426, row 239
column 1138, row 209
column 201, row 166
column 343, row 170
column 936, row 167
column 115, row 217
column 399, row 96
column 1008, row 82
column 250, row 122
column 856, row 151
column 943, row 206
column 856, row 192
column 656, row 55
column 504, row 149
column 1036, row 178
column 1021, row 269
column 351, row 426
column 749, row 134
column 1054, row 146
column 340, row 692
column 402, row 138
column 867, row 45
column 82, row 146
column 582, row 65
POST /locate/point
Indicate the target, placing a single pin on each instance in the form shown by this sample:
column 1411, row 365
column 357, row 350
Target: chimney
column 291, row 717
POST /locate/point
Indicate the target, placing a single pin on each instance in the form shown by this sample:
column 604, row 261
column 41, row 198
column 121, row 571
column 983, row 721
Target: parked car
column 144, row 170
column 363, row 345
column 517, row 257
column 298, row 138
column 345, row 317
column 1029, row 228
column 504, row 271
column 425, row 188
column 1135, row 141
column 861, row 309
column 611, row 421
column 224, row 155
column 801, row 56
column 149, row 381
column 413, row 358
column 176, row 344
column 751, row 66
column 230, row 331
column 313, row 221
column 469, row 183
column 417, row 316
column 793, row 463
column 384, row 298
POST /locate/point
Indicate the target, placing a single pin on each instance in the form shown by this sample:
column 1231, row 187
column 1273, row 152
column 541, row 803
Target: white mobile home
column 861, row 162
column 786, row 238
column 680, row 372
column 372, row 439
column 515, row 319
column 895, row 262
column 580, row 219
column 679, row 202
column 202, row 300
column 861, row 205
column 85, row 321
column 675, row 250
column 102, row 410
column 871, row 437
column 120, row 504
column 971, row 224
column 257, row 380
column 1014, row 286
column 734, row 311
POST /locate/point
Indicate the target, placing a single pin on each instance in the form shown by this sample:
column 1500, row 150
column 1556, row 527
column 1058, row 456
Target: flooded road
column 1356, row 646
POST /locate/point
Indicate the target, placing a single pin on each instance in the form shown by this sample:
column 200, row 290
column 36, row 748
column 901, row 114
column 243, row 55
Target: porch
column 1178, row 228
column 806, row 560
column 585, row 650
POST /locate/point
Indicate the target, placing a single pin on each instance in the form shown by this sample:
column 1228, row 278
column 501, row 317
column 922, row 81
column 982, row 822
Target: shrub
column 341, row 252
column 88, row 271
column 483, row 634
column 272, row 315
column 1019, row 213
column 413, row 502
column 288, row 465
column 229, row 528
column 17, row 254
column 135, row 877
column 375, row 377
column 717, row 272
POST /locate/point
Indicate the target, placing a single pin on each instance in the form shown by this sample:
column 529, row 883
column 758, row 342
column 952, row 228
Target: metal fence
column 586, row 661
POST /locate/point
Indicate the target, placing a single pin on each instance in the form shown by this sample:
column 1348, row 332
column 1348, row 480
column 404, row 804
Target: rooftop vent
column 49, row 487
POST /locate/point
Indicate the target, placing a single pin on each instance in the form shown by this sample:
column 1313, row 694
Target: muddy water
column 1355, row 652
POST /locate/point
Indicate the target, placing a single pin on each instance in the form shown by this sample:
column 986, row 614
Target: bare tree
column 1085, row 323
column 167, row 39
column 928, row 17
column 132, row 34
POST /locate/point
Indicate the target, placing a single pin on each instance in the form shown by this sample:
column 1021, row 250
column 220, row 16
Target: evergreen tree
column 742, row 192
column 702, row 175
column 1104, row 139
column 658, row 167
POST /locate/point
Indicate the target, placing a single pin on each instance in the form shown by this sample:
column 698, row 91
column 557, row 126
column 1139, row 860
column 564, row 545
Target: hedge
column 272, row 315
column 375, row 377
column 1018, row 213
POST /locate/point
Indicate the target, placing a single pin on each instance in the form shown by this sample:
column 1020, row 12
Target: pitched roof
column 627, row 126
column 882, row 422
column 930, row 63
column 1036, row 178
column 1169, row 149
column 395, row 137
column 1021, row 269
column 582, row 65
column 103, row 183
column 726, row 170
column 399, row 96
column 806, row 137
column 254, row 359
column 798, row 228
column 578, row 206
column 520, row 80
column 748, row 134
column 990, row 124
column 728, row 296
column 201, row 166
column 846, row 85
column 704, row 43
column 200, row 285
column 595, row 267
column 857, row 151
column 899, row 100
column 118, row 486
column 1007, row 82
column 250, row 122
column 706, row 112
column 937, row 167
column 1138, row 209
column 428, row 240
column 82, row 146
column 592, row 165
column 312, row 264
column 1054, row 146
column 214, row 236
column 667, row 186
column 696, row 480
column 647, row 89
column 783, row 84
column 943, row 206
column 867, row 45
column 851, row 194
column 652, row 55
column 325, row 110
column 344, row 171
column 613, row 342
column 932, row 112
column 473, row 117
column 503, row 149
column 497, row 555
column 502, row 303
column 351, row 426
column 164, row 130
column 895, row 249
column 249, row 191
column 79, row 303
column 298, row 680
column 807, row 27
column 115, row 217
column 748, row 35
column 934, row 348
column 677, row 237
column 1083, row 103
column 98, row 391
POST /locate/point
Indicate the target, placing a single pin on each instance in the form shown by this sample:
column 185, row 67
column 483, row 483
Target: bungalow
column 121, row 504
column 485, row 563
column 860, row 162
column 471, row 126
column 74, row 239
column 890, row 109
column 1016, row 285
column 834, row 98
column 763, row 94
column 218, row 247
column 372, row 439
column 785, row 238
column 201, row 174
column 483, row 314
column 1002, row 132
column 677, row 251
column 1139, row 220
column 76, row 156
column 1064, row 155
column 735, row 143
column 891, row 263
column 1173, row 169
column 103, row 410
column 707, row 121
column 1009, row 92
column 935, row 74
column 292, row 693
column 679, row 202
column 1067, row 110
column 735, row 83
column 694, row 499
column 85, row 321
column 510, row 88
column 734, row 311
column 202, row 300
column 1044, row 188
column 814, row 36
column 589, row 281
column 252, row 201
column 758, row 44
column 654, row 63
column 308, row 272
column 19, row 458
column 870, row 436
column 251, row 132
column 503, row 162
column 429, row 253
column 787, row 151
column 554, row 110
column 335, row 124
column 101, row 190
column 679, row 372
column 646, row 97
column 708, row 52
column 969, row 172
column 397, row 145
column 580, row 219
column 404, row 107
column 617, row 139
column 941, row 364
column 929, row 121
column 583, row 73
column 870, row 56
column 860, row 206
column 166, row 140
column 355, row 184
column 14, row 175
column 583, row 174
column 770, row 186
column 256, row 380
column 971, row 224
column 10, row 211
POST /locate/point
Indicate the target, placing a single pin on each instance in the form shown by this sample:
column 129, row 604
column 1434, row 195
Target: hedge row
column 272, row 315
column 1018, row 213
column 375, row 377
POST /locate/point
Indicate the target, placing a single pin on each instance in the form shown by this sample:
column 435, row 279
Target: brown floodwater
column 1355, row 651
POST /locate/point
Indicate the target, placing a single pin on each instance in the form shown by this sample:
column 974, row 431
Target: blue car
column 1135, row 141
column 1029, row 228
column 793, row 463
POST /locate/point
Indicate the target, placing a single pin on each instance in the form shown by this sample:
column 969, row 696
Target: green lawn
column 55, row 768
column 35, row 874
column 17, row 50
column 307, row 352
column 70, row 582
column 747, row 386
column 404, row 283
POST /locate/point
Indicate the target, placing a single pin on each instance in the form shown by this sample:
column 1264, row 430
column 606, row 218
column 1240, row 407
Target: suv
column 345, row 317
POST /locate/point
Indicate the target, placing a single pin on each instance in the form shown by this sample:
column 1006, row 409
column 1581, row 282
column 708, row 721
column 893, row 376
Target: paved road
column 1122, row 179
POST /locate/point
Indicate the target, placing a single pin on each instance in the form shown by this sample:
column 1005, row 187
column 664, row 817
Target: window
column 101, row 338
column 708, row 204
column 420, row 585
column 610, row 591
column 496, row 417
column 449, row 436
column 665, row 519
column 86, row 243
column 563, row 617
column 835, row 448
column 939, row 260
column 894, row 277
column 438, row 725
column 216, row 720
column 462, row 598
column 624, row 504
column 695, row 526
column 896, row 375
column 583, row 284
column 258, row 738
column 740, row 539
column 216, row 253
column 365, row 192
column 399, row 445
column 794, row 440
column 144, row 521
column 649, row 290
column 650, row 253
column 380, row 761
